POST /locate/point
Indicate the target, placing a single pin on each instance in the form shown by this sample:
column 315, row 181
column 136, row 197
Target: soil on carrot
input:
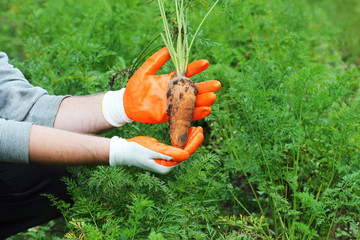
column 181, row 96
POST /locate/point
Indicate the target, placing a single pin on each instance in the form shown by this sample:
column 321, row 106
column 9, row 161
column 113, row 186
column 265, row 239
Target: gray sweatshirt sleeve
column 21, row 105
column 14, row 141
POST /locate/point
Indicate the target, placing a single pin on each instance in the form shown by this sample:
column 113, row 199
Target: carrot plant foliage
column 280, row 159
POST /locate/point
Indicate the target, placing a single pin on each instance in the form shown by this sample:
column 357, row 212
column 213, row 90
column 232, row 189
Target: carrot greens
column 180, row 49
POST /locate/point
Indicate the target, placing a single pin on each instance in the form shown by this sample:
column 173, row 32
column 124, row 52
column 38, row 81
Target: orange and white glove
column 144, row 98
column 149, row 154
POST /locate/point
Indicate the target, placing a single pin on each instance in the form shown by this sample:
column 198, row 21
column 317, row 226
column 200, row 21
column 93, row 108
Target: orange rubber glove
column 194, row 140
column 145, row 100
column 147, row 153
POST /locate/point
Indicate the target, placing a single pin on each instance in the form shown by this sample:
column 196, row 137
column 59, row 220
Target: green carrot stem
column 180, row 54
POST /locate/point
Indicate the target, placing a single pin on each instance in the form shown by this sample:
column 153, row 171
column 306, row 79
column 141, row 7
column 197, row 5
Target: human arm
column 82, row 114
column 59, row 147
column 21, row 105
column 24, row 142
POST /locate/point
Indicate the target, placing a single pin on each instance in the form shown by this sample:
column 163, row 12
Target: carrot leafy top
column 180, row 48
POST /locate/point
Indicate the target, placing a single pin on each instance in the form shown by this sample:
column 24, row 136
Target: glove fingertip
column 197, row 67
column 201, row 112
column 181, row 155
column 166, row 163
column 208, row 86
column 205, row 99
column 194, row 144
column 193, row 131
column 156, row 61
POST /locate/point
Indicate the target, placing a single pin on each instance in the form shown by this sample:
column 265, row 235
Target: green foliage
column 280, row 159
column 118, row 203
column 294, row 116
column 52, row 230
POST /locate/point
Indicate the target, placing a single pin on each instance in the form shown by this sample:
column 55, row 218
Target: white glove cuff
column 117, row 151
column 113, row 108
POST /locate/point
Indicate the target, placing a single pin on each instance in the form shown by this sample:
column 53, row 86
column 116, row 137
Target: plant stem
column 296, row 170
column 180, row 54
column 167, row 38
column 331, row 225
column 237, row 200
column 231, row 146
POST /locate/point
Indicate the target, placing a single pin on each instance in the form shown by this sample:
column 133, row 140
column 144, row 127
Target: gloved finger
column 208, row 86
column 177, row 154
column 194, row 141
column 193, row 131
column 196, row 67
column 163, row 170
column 195, row 138
column 155, row 62
column 201, row 112
column 165, row 163
column 205, row 99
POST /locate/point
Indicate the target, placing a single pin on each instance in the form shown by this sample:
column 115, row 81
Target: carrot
column 182, row 91
column 181, row 104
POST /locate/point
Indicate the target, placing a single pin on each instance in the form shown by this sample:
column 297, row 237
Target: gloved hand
column 149, row 154
column 144, row 98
